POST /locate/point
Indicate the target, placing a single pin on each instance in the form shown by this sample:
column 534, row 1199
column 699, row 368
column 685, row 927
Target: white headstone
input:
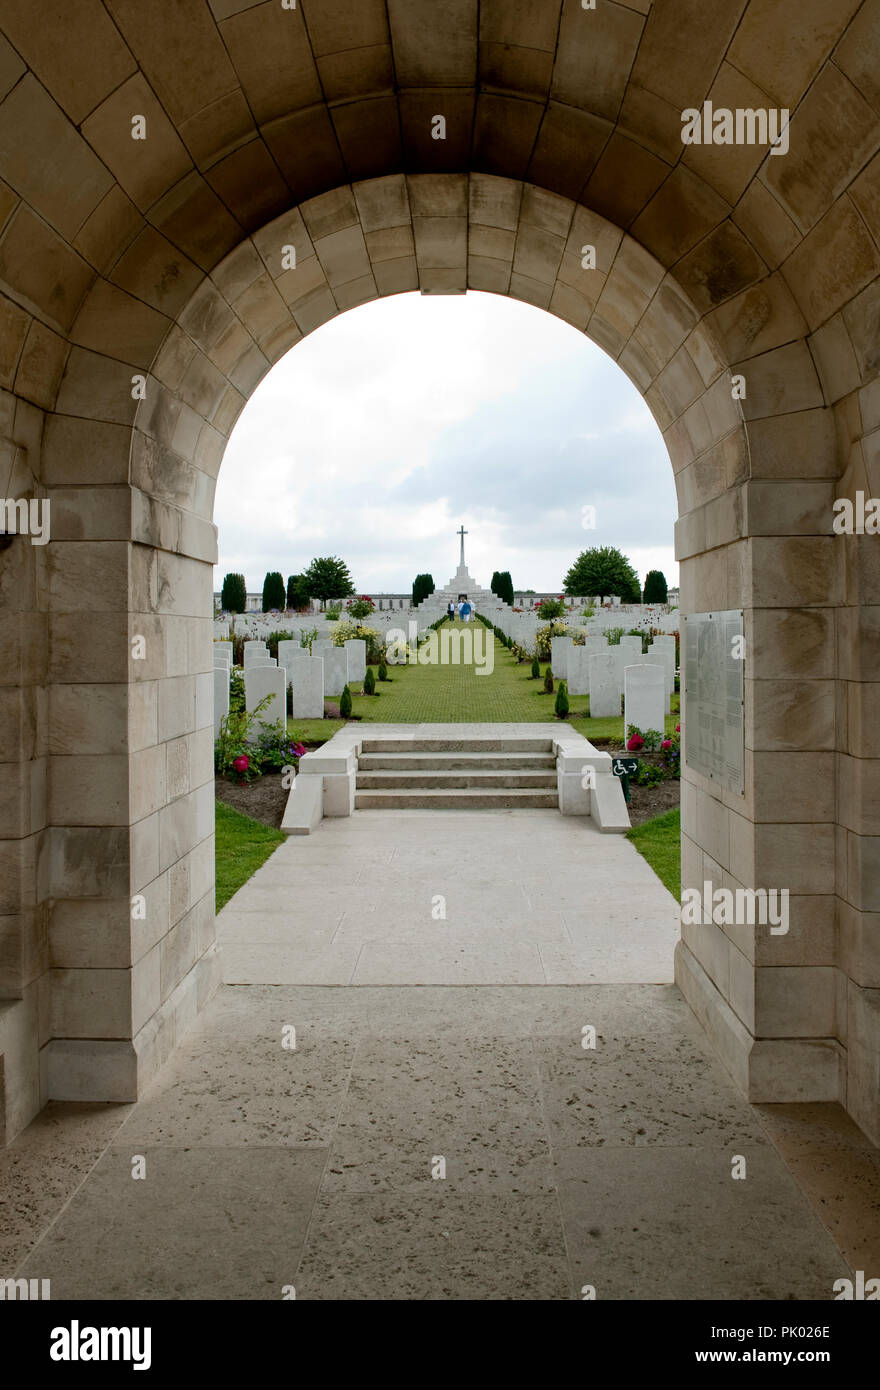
column 289, row 651
column 578, row 671
column 307, row 680
column 559, row 649
column 335, row 670
column 255, row 651
column 604, row 684
column 321, row 645
column 260, row 681
column 221, row 696
column 665, row 657
column 357, row 658
column 223, row 652
column 644, row 697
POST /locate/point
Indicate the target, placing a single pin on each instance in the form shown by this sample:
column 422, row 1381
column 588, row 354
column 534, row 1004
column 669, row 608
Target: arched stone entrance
column 148, row 285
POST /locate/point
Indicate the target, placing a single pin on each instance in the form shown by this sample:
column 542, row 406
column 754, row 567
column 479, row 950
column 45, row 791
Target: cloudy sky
column 384, row 430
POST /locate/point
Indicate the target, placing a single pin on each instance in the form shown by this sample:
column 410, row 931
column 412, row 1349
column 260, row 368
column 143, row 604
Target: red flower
column 634, row 744
column 678, row 728
column 667, row 743
column 242, row 763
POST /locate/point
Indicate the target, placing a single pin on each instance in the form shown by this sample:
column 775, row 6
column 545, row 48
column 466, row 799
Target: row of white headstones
column 326, row 670
column 606, row 672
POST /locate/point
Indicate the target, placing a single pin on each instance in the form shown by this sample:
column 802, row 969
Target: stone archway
column 163, row 259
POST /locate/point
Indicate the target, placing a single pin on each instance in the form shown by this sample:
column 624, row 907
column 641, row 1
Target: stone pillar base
column 768, row 1070
column 82, row 1069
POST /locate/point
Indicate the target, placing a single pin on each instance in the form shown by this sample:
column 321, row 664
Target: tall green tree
column 493, row 583
column 655, row 587
column 423, row 585
column 233, row 595
column 297, row 591
column 603, row 570
column 505, row 587
column 274, row 594
column 328, row 577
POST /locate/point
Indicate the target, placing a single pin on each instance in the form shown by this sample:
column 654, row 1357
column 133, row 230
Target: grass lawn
column 241, row 846
column 659, row 841
column 458, row 694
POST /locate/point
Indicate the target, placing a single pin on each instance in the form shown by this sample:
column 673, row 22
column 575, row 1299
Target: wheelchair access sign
column 624, row 768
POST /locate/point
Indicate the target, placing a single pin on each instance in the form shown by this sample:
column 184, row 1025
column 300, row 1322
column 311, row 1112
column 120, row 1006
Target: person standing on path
column 466, row 611
column 450, row 611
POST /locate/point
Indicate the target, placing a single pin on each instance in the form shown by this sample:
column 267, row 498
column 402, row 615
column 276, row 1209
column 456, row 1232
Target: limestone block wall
column 145, row 289
column 25, row 787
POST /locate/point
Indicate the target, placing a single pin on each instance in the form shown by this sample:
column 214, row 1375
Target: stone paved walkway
column 419, row 1040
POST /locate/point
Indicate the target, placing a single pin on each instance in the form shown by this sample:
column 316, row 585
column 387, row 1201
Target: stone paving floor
column 419, row 1040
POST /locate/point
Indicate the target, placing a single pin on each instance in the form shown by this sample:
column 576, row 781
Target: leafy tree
column 605, row 571
column 328, row 577
column 369, row 682
column 297, row 591
column 655, row 587
column 493, row 582
column 274, row 594
column 423, row 585
column 551, row 608
column 233, row 595
column 562, row 701
column 345, row 703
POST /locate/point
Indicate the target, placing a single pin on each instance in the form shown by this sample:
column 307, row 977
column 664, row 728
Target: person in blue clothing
column 464, row 612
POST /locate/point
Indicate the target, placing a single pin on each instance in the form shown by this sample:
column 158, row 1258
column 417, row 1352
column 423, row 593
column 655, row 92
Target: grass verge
column 659, row 841
column 241, row 846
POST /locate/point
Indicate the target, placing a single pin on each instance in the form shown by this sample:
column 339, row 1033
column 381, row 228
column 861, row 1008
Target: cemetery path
column 435, row 1129
column 503, row 692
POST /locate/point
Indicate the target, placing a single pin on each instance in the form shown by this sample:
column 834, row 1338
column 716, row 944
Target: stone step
column 456, row 745
column 463, row 799
column 488, row 778
column 441, row 762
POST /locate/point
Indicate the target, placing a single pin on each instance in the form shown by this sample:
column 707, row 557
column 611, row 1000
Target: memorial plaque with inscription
column 714, row 723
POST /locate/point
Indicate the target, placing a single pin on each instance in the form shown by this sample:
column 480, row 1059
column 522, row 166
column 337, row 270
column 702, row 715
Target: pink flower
column 678, row 728
column 667, row 743
column 634, row 744
column 242, row 763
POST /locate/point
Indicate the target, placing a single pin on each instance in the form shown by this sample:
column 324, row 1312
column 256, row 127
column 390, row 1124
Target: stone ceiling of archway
column 567, row 120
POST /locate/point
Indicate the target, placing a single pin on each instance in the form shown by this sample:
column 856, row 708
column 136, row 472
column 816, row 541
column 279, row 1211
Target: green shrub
column 551, row 608
column 369, row 682
column 562, row 701
column 345, row 703
column 383, row 671
column 648, row 775
column 548, row 681
column 233, row 742
column 536, row 668
column 236, row 692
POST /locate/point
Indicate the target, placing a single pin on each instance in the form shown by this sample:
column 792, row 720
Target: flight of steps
column 469, row 774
